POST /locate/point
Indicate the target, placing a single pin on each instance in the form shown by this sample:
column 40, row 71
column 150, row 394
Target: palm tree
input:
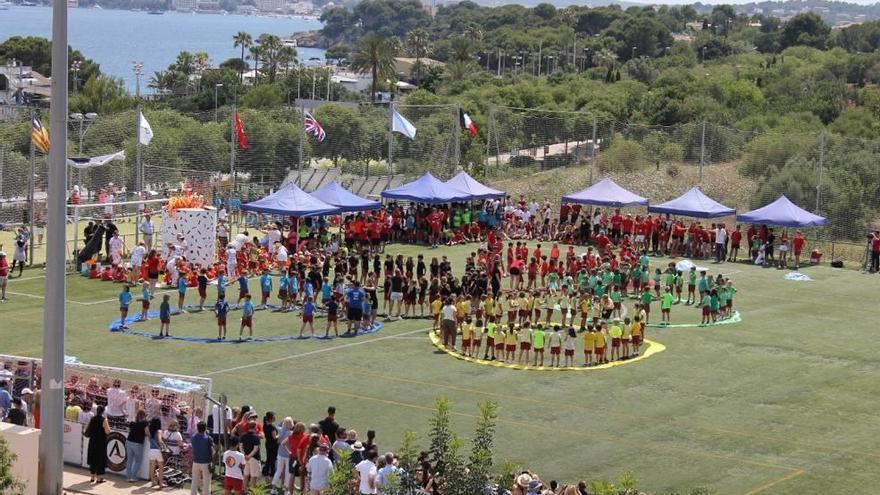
column 473, row 33
column 375, row 56
column 286, row 57
column 606, row 58
column 418, row 44
column 461, row 49
column 257, row 54
column 245, row 41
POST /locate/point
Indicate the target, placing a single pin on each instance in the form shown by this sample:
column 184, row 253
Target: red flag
column 239, row 131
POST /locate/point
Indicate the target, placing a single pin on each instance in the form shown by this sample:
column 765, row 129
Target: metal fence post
column 819, row 172
column 593, row 148
column 32, row 197
column 702, row 150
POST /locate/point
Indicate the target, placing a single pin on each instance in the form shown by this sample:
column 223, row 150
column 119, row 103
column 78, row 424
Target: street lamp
column 216, row 87
column 633, row 53
column 85, row 121
column 75, row 66
column 138, row 68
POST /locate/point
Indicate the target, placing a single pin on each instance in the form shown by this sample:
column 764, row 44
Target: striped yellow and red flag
column 39, row 135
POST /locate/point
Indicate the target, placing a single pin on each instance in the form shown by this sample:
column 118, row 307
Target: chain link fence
column 836, row 176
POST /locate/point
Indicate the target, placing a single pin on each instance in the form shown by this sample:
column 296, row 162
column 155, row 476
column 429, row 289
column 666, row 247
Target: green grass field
column 779, row 403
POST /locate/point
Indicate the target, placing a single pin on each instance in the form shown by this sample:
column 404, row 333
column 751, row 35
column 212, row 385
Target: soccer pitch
column 779, row 403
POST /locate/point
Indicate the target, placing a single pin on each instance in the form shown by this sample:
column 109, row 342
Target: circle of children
column 551, row 297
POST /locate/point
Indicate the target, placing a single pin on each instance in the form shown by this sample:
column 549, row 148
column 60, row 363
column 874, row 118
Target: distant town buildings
column 24, row 86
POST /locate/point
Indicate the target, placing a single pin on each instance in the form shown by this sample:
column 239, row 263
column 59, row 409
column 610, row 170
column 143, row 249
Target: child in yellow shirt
column 589, row 343
column 510, row 343
column 436, row 305
column 636, row 331
column 467, row 331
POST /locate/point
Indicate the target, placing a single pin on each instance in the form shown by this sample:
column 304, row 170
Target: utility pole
column 51, row 457
column 702, row 150
column 498, row 63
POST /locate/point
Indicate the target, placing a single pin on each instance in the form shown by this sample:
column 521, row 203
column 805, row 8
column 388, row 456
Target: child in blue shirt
column 308, row 315
column 221, row 285
column 326, row 292
column 165, row 317
column 367, row 315
column 124, row 301
column 181, row 292
column 221, row 309
column 265, row 287
column 242, row 288
column 282, row 291
column 145, row 301
column 247, row 318
column 292, row 289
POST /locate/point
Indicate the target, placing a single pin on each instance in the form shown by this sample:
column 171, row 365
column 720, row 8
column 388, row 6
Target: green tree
column 374, row 56
column 337, row 53
column 8, row 482
column 418, row 45
column 343, row 476
column 245, row 41
column 265, row 96
column 441, row 435
column 805, row 29
column 103, row 95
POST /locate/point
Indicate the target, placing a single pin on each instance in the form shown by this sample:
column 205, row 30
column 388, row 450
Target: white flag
column 403, row 126
column 145, row 132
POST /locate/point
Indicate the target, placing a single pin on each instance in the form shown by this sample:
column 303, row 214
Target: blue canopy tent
column 693, row 203
column 292, row 201
column 606, row 192
column 471, row 189
column 782, row 213
column 335, row 195
column 426, row 189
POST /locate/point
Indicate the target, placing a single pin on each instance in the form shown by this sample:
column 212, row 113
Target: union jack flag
column 314, row 128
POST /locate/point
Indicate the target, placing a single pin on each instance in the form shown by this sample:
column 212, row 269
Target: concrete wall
column 25, row 443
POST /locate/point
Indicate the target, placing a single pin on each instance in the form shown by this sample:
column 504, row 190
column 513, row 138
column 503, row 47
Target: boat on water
column 5, row 5
column 28, row 4
column 156, row 12
column 291, row 42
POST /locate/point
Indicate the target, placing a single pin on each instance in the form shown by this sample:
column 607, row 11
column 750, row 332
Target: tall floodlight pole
column 54, row 317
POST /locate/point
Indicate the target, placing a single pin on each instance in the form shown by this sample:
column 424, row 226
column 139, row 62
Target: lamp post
column 633, row 53
column 216, row 87
column 85, row 121
column 75, row 66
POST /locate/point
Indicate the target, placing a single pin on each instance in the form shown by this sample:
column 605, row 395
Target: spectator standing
column 319, row 467
column 366, row 471
column 202, row 453
column 17, row 415
column 147, row 229
column 5, row 399
column 448, row 327
column 4, row 280
column 134, row 445
column 328, row 425
column 875, row 254
column 97, row 431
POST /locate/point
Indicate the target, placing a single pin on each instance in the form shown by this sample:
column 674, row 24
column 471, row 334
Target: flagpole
column 390, row 142
column 32, row 196
column 51, row 467
column 457, row 143
column 139, row 173
column 232, row 139
column 302, row 118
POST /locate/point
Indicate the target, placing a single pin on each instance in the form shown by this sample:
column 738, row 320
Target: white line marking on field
column 32, row 296
column 26, row 278
column 311, row 353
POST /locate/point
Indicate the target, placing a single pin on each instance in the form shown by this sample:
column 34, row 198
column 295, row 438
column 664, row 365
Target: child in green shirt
column 666, row 306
